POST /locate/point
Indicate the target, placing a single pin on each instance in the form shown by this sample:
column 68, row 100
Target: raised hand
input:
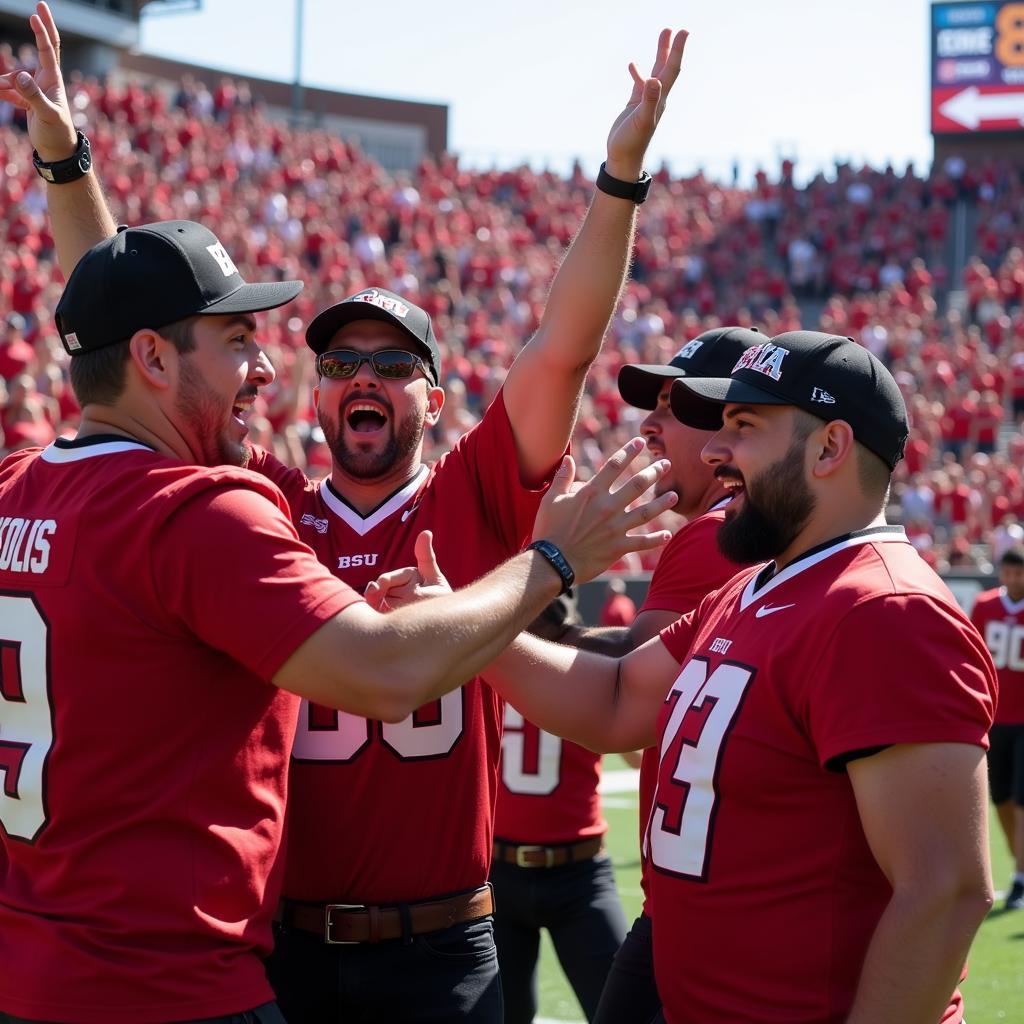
column 413, row 583
column 50, row 128
column 634, row 127
column 592, row 523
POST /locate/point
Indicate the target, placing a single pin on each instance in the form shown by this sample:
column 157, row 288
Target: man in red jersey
column 802, row 867
column 549, row 870
column 156, row 605
column 425, row 857
column 999, row 616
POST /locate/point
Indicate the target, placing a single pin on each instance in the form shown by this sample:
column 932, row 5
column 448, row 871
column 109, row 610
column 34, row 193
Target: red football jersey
column 690, row 567
column 142, row 750
column 1001, row 622
column 383, row 813
column 765, row 891
column 548, row 787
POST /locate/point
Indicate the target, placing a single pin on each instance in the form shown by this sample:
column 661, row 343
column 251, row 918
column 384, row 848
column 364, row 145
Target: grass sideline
column 994, row 987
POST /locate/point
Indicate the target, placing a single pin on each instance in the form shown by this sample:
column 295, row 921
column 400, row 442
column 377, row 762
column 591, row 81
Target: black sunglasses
column 388, row 364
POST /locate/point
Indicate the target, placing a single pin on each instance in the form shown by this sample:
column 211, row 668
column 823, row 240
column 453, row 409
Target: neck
column 366, row 495
column 710, row 496
column 104, row 419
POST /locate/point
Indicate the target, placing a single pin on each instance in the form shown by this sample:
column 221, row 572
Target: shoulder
column 174, row 485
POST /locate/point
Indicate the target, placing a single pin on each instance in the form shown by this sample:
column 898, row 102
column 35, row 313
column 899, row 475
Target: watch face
column 85, row 161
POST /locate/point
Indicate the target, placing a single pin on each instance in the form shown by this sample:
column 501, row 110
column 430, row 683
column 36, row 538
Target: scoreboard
column 977, row 79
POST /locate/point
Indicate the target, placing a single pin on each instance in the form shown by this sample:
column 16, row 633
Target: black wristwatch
column 60, row 172
column 632, row 190
column 557, row 560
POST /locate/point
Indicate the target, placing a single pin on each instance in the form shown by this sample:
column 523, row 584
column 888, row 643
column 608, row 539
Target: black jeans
column 579, row 905
column 630, row 995
column 450, row 975
column 268, row 1013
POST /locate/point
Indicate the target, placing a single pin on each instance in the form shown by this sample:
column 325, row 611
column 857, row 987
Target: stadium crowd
column 478, row 249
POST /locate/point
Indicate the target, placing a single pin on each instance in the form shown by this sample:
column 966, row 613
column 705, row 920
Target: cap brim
column 698, row 401
column 254, row 298
column 641, row 383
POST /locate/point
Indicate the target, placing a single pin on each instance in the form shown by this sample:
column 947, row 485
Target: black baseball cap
column 153, row 275
column 828, row 376
column 377, row 304
column 711, row 354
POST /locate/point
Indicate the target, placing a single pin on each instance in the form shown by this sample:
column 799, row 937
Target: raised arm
column 79, row 215
column 543, row 386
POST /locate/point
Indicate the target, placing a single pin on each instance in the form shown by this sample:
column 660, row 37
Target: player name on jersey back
column 26, row 548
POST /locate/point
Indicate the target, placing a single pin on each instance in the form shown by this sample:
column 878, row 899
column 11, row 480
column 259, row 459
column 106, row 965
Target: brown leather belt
column 349, row 923
column 547, row 856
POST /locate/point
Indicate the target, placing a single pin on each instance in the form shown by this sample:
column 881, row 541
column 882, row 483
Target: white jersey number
column 1006, row 642
column 513, row 758
column 431, row 731
column 26, row 719
column 682, row 818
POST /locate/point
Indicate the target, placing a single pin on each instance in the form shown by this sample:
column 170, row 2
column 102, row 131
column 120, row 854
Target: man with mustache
column 818, row 843
column 390, row 823
column 548, row 871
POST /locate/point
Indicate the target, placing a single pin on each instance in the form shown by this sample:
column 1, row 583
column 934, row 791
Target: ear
column 435, row 403
column 833, row 448
column 152, row 359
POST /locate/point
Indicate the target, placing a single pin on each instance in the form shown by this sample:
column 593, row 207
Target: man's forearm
column 79, row 218
column 916, row 956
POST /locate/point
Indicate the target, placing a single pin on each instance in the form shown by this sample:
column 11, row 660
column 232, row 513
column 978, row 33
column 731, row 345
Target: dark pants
column 437, row 978
column 268, row 1013
column 1006, row 763
column 630, row 995
column 579, row 905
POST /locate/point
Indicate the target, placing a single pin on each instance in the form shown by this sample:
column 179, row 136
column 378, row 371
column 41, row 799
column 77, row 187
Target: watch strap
column 60, row 172
column 635, row 191
column 557, row 561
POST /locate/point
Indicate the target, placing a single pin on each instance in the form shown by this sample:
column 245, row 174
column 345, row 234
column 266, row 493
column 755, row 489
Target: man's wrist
column 52, row 154
column 624, row 170
column 552, row 554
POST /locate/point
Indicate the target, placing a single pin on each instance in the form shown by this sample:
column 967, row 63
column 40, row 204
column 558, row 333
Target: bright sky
column 542, row 80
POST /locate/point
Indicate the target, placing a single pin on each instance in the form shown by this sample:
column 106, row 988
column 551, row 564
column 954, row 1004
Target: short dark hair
column 98, row 376
column 1013, row 556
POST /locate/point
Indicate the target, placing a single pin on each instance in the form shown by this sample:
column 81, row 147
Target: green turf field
column 993, row 993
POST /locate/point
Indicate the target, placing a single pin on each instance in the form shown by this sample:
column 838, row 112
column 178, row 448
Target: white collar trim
column 354, row 520
column 59, row 456
column 1012, row 607
column 883, row 536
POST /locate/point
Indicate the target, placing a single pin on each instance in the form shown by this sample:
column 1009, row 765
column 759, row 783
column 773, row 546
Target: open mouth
column 241, row 409
column 366, row 417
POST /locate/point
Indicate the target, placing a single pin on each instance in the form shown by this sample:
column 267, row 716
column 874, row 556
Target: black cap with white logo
column 828, row 376
column 377, row 304
column 151, row 276
column 711, row 354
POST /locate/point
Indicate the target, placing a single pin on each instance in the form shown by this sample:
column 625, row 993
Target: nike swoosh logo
column 767, row 609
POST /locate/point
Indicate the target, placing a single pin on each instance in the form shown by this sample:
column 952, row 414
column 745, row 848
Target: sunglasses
column 388, row 364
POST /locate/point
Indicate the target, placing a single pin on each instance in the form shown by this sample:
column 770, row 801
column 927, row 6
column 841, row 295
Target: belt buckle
column 328, row 910
column 524, row 851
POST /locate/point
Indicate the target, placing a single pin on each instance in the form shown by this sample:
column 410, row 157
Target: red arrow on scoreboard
column 971, row 106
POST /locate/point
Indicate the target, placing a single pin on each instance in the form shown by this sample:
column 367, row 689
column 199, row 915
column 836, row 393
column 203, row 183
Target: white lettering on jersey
column 354, row 561
column 320, row 525
column 219, row 253
column 681, row 825
column 1005, row 641
column 24, row 546
column 720, row 645
column 766, row 359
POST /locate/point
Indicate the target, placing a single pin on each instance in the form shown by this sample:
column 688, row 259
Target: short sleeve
column 678, row 636
column 489, row 453
column 900, row 669
column 230, row 567
column 293, row 483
